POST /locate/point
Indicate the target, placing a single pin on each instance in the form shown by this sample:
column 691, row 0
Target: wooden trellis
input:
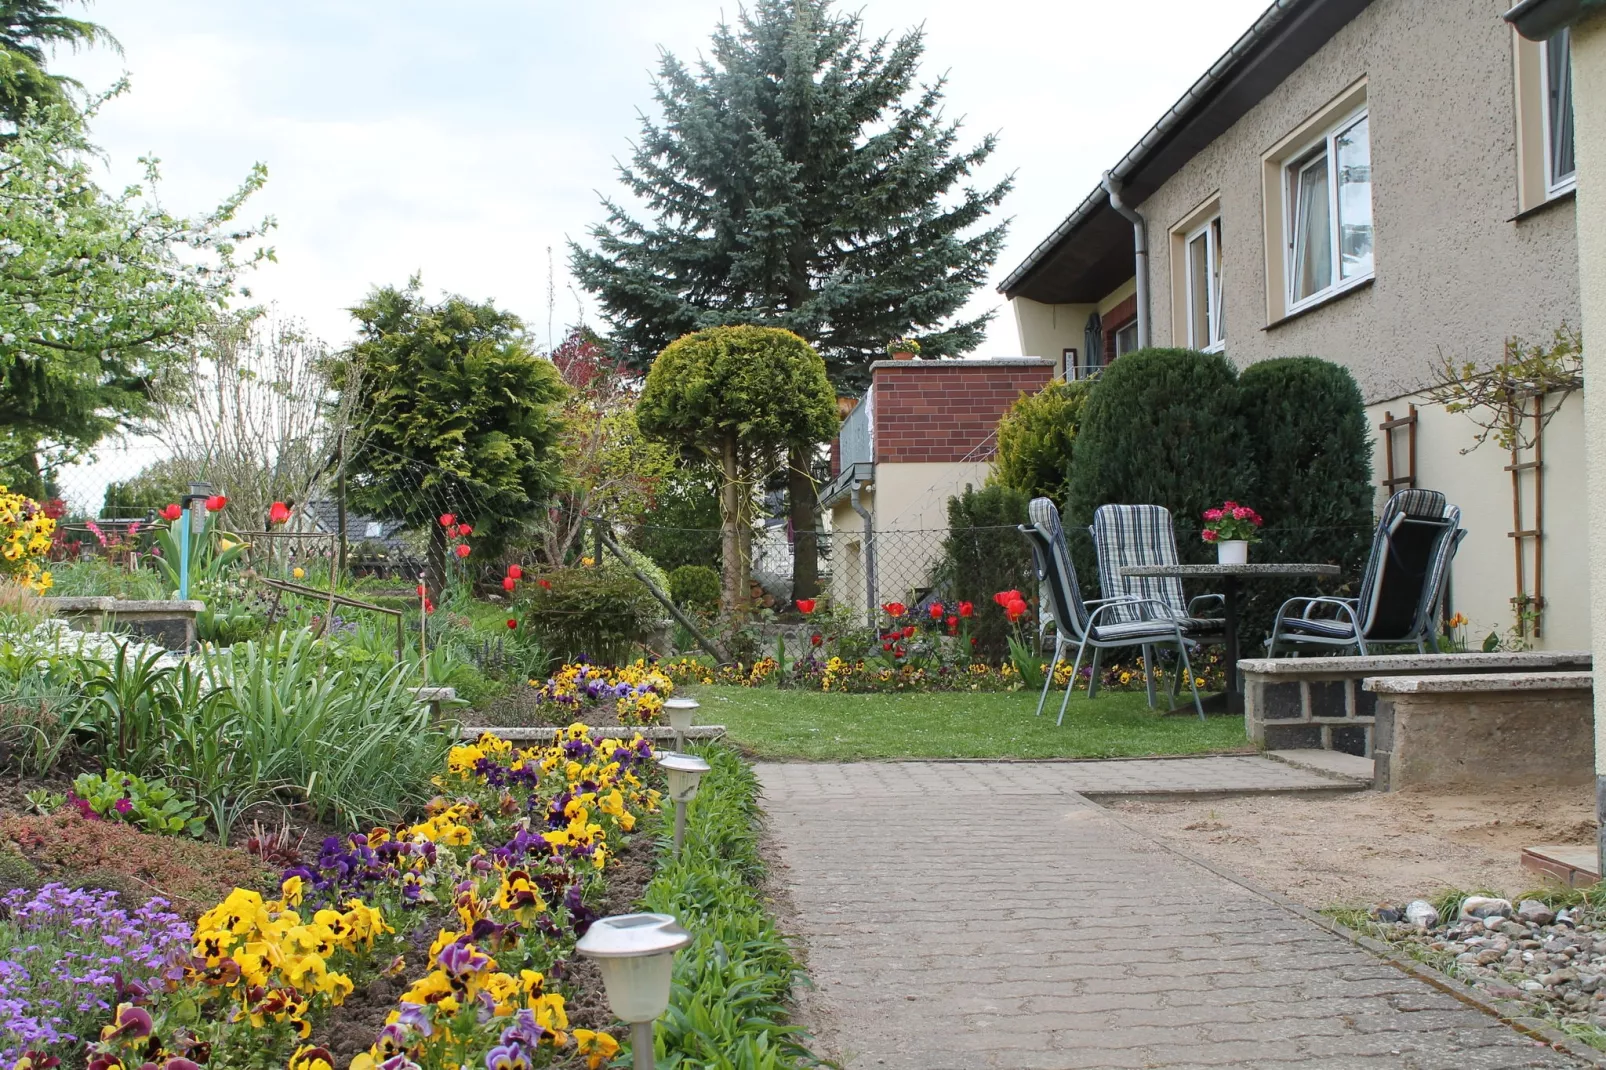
column 1394, row 479
column 1529, row 602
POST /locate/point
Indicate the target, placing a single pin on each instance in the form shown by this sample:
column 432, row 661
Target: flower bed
column 475, row 909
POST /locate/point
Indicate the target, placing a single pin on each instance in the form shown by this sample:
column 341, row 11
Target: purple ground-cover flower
column 69, row 955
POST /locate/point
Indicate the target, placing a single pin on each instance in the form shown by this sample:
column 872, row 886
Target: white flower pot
column 1232, row 552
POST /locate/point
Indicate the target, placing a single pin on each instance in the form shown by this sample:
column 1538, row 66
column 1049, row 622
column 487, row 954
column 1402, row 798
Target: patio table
column 1232, row 699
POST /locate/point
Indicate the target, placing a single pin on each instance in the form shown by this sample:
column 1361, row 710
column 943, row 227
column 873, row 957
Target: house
column 371, row 543
column 924, row 430
column 1387, row 184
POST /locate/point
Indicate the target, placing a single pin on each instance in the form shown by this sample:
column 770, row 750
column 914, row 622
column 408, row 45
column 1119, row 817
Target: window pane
column 1313, row 248
column 1219, row 324
column 1199, row 291
column 1354, row 154
column 1559, row 106
column 1126, row 339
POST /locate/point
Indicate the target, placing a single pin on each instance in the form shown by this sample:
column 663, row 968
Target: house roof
column 1090, row 253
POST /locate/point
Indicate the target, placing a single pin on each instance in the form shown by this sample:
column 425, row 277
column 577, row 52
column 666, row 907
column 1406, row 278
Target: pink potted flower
column 1232, row 527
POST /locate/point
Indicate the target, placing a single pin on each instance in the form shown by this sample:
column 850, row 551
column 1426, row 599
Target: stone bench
column 170, row 623
column 1483, row 729
column 1319, row 703
column 436, row 698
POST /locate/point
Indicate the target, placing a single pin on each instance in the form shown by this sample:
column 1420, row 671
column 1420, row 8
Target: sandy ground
column 1367, row 847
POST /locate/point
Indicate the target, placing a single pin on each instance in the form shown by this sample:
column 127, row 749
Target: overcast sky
column 464, row 140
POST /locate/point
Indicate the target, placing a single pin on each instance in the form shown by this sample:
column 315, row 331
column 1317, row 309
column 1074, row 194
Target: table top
column 1250, row 569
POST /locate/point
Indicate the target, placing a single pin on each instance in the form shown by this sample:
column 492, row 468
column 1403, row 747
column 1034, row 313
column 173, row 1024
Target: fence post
column 340, row 499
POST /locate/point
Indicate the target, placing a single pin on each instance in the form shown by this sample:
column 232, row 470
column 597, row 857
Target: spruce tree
column 801, row 176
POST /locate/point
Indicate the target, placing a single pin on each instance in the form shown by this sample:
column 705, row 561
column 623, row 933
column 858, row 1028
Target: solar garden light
column 198, row 492
column 680, row 713
column 636, row 954
column 684, row 770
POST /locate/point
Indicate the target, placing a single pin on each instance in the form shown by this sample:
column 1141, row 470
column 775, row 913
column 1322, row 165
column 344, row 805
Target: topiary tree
column 458, row 414
column 1160, row 427
column 1035, row 438
column 741, row 396
column 1312, row 450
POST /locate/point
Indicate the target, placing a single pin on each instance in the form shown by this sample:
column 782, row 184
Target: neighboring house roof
column 1539, row 19
column 1090, row 254
column 323, row 514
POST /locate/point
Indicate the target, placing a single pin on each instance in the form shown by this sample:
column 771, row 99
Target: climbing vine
column 1497, row 399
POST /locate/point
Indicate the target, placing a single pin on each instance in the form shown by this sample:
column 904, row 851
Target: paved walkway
column 983, row 916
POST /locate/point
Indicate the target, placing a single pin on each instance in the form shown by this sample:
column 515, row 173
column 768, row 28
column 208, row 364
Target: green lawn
column 832, row 727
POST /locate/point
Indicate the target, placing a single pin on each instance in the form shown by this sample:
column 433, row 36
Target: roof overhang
column 1540, row 19
column 1090, row 253
column 856, row 474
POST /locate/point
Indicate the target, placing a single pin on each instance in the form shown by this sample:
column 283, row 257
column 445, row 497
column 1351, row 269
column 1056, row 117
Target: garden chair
column 1415, row 541
column 1096, row 628
column 1129, row 535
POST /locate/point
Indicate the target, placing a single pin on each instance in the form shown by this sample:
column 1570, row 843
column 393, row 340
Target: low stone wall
column 169, row 623
column 1318, row 703
column 1483, row 729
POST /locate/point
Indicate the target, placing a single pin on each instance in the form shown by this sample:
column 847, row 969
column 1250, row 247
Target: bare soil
column 1369, row 847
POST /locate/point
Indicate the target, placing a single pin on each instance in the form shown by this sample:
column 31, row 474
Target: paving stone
column 1034, row 931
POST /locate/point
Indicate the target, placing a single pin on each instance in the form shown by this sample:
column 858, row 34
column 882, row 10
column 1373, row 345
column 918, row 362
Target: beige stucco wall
column 909, row 503
column 1048, row 330
column 1589, row 108
column 1454, row 273
column 1483, row 581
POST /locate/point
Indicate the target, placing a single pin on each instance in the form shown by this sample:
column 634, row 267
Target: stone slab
column 80, row 604
column 150, row 607
column 1329, row 762
column 546, row 735
column 1574, row 866
column 1447, row 740
column 979, row 916
column 1475, row 682
column 1420, row 664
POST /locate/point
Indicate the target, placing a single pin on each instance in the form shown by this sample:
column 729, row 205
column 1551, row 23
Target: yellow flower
column 292, row 889
column 299, row 573
column 308, row 1057
column 598, row 1048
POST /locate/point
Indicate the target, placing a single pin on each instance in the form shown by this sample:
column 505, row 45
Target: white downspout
column 1140, row 244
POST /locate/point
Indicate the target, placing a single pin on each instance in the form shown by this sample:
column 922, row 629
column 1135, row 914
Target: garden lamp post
column 198, row 492
column 636, row 954
column 684, row 770
column 680, row 712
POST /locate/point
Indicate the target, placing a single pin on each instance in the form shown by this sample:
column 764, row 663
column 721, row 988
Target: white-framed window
column 1328, row 193
column 1561, row 169
column 1126, row 338
column 1202, row 254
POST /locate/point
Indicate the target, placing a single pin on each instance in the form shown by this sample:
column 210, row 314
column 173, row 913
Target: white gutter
column 1140, row 254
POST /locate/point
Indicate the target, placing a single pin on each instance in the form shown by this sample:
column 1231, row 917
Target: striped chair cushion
column 1326, row 627
column 1135, row 631
column 1131, row 535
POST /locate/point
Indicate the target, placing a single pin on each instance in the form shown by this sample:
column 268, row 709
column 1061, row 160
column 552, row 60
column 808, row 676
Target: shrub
column 695, row 587
column 590, row 613
column 684, row 528
column 1160, row 427
column 984, row 554
column 1312, row 450
column 1035, row 439
column 192, row 874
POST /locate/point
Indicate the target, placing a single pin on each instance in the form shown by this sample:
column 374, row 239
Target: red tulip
column 935, row 611
column 171, row 511
column 463, row 550
column 1015, row 609
column 511, row 624
column 966, row 609
column 895, row 609
column 545, row 584
column 215, row 503
column 509, row 583
column 514, row 572
column 429, row 607
column 464, row 531
column 805, row 606
column 953, row 625
column 909, row 632
column 278, row 513
column 420, row 590
column 815, row 639
column 447, row 520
